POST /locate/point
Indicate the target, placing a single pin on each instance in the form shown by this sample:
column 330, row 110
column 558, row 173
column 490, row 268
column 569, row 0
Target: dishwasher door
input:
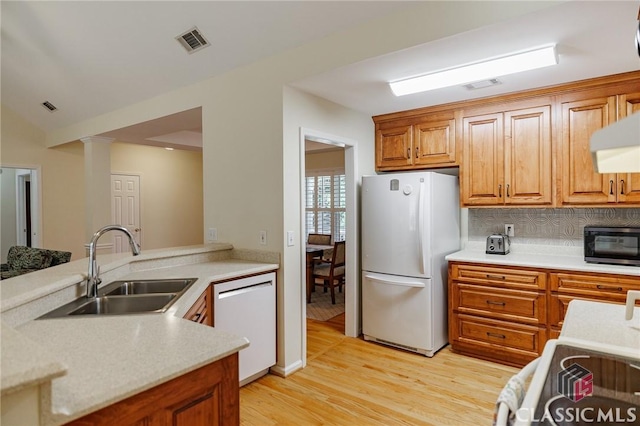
column 247, row 307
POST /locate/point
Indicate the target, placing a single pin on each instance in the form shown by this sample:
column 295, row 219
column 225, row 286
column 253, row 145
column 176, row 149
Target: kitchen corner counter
column 88, row 363
column 539, row 256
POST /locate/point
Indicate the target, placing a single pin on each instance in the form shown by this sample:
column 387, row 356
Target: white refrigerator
column 410, row 222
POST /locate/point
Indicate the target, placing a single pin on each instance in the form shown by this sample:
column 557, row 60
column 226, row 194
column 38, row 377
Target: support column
column 97, row 178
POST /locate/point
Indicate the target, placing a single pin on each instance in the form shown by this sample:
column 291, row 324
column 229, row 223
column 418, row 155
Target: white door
column 125, row 209
column 395, row 222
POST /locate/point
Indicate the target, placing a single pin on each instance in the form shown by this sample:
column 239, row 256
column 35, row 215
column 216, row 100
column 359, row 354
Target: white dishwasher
column 247, row 307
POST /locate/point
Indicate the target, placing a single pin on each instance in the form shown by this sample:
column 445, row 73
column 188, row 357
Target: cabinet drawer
column 605, row 285
column 501, row 277
column 498, row 333
column 558, row 304
column 524, row 306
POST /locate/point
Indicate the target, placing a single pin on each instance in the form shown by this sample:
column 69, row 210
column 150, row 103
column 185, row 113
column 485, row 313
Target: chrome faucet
column 93, row 276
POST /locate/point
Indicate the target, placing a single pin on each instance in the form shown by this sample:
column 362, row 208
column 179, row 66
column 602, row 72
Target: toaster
column 498, row 244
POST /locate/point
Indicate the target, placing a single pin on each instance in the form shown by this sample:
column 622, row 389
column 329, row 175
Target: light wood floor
column 348, row 381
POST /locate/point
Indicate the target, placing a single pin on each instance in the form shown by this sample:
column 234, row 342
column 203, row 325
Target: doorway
column 351, row 288
column 21, row 200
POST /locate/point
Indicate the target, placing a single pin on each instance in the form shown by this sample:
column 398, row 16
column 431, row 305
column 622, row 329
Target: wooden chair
column 332, row 274
column 319, row 239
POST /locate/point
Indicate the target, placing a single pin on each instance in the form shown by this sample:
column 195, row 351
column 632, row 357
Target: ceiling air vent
column 49, row 106
column 193, row 40
column 482, row 84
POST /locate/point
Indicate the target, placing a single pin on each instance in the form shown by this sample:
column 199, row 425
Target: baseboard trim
column 286, row 371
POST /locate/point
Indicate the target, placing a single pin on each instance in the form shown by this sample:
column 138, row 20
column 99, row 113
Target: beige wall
column 324, row 160
column 170, row 192
column 171, row 187
column 62, row 174
column 251, row 125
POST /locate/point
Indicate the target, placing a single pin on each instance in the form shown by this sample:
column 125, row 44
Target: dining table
column 314, row 251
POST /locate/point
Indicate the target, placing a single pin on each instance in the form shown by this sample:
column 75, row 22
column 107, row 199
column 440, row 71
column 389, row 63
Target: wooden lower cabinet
column 202, row 310
column 506, row 314
column 208, row 396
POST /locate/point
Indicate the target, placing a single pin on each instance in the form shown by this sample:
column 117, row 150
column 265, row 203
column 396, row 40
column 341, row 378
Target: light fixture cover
column 510, row 64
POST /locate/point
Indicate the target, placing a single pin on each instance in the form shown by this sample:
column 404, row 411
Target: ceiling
column 89, row 58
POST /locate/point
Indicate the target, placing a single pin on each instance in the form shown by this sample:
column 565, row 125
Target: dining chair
column 332, row 274
column 320, row 239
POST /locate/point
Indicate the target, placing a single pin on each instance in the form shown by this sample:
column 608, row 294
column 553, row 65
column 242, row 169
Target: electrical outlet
column 509, row 229
column 263, row 237
column 212, row 235
column 290, row 241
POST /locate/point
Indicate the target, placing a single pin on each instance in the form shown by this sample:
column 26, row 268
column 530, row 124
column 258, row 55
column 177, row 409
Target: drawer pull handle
column 491, row 302
column 499, row 336
column 496, row 277
column 606, row 287
column 196, row 317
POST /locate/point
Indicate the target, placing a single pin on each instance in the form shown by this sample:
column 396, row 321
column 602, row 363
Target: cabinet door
column 483, row 159
column 434, row 143
column 394, row 147
column 202, row 310
column 580, row 183
column 527, row 146
column 628, row 183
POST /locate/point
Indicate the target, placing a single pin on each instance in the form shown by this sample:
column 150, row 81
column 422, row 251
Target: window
column 326, row 203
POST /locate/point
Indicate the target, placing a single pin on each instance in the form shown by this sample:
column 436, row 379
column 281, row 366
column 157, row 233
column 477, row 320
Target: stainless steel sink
column 127, row 297
column 109, row 305
column 146, row 286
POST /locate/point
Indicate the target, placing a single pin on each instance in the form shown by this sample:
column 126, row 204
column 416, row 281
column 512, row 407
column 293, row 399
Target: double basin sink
column 127, row 297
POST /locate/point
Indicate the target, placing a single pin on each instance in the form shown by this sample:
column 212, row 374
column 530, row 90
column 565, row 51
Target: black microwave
column 616, row 245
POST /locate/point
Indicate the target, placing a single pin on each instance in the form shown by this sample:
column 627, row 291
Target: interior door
column 125, row 209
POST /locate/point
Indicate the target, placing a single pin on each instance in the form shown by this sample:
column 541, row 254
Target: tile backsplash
column 547, row 226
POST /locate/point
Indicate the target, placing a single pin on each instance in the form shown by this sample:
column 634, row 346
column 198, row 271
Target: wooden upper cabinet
column 393, row 147
column 507, row 158
column 417, row 142
column 434, row 143
column 628, row 183
column 483, row 160
column 580, row 183
column 528, row 153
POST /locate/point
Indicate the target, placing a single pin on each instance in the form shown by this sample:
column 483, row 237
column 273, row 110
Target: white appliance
column 410, row 222
column 247, row 307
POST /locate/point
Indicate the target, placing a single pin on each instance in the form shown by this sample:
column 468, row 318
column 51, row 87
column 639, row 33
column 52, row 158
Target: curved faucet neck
column 93, row 273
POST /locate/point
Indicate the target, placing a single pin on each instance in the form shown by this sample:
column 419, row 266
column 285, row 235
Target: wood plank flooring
column 348, row 381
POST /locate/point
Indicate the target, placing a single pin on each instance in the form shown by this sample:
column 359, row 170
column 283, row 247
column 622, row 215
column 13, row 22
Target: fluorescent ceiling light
column 510, row 64
column 616, row 148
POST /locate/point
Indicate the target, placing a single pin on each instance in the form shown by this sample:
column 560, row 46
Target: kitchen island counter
column 105, row 359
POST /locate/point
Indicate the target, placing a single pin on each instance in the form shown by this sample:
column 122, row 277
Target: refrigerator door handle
column 390, row 281
column 421, row 227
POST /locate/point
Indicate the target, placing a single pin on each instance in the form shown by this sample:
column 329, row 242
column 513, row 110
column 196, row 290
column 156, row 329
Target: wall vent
column 49, row 106
column 192, row 40
column 482, row 84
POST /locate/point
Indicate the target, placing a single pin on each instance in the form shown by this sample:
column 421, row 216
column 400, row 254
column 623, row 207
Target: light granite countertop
column 539, row 256
column 94, row 362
